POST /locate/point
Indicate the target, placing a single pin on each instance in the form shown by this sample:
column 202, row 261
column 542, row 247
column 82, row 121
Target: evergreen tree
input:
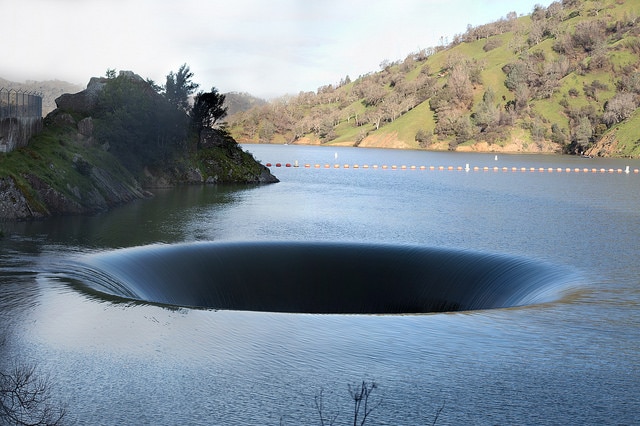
column 208, row 108
column 179, row 87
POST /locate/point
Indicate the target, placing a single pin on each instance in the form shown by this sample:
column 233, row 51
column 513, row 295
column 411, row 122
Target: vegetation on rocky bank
column 116, row 140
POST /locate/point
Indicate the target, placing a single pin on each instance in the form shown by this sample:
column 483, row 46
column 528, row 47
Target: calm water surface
column 573, row 361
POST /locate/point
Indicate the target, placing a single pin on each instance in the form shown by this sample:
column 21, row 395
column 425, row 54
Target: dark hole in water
column 330, row 278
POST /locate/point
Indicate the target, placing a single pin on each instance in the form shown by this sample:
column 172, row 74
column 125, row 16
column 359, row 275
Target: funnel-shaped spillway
column 308, row 277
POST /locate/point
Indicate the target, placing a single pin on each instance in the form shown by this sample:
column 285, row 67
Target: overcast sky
column 265, row 47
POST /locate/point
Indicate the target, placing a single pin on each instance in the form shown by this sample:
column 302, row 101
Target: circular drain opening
column 329, row 278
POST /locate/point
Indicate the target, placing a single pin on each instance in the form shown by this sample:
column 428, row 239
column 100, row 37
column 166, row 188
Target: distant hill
column 238, row 102
column 50, row 90
column 564, row 79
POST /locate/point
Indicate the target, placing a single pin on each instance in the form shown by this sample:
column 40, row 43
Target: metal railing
column 19, row 103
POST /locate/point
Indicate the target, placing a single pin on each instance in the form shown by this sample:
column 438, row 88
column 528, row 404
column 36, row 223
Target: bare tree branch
column 25, row 398
column 360, row 394
column 438, row 414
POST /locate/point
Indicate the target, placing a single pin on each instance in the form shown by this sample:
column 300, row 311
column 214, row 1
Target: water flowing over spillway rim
column 318, row 278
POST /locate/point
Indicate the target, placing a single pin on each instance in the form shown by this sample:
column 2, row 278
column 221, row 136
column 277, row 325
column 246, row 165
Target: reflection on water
column 570, row 361
column 159, row 219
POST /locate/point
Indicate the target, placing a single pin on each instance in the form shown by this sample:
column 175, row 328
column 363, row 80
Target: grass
column 628, row 136
column 56, row 157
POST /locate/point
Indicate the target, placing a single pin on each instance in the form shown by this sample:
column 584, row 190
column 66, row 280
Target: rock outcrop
column 85, row 101
column 13, row 204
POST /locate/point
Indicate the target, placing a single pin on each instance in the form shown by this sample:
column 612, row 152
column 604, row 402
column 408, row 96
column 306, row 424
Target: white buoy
column 466, row 167
column 295, row 163
column 496, row 158
column 626, row 170
column 335, row 155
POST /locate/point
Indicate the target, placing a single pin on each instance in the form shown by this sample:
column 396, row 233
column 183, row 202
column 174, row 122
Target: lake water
column 570, row 360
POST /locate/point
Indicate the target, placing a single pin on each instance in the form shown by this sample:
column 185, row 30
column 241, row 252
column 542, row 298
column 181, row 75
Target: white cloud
column 265, row 48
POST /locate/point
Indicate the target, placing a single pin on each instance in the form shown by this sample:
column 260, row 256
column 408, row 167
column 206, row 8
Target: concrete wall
column 15, row 132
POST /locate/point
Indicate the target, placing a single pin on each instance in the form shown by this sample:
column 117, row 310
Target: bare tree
column 619, row 108
column 361, row 404
column 319, row 402
column 25, row 398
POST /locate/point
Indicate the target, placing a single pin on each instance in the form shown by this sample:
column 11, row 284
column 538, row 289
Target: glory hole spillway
column 323, row 278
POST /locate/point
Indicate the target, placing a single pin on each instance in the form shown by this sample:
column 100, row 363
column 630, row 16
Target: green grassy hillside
column 564, row 79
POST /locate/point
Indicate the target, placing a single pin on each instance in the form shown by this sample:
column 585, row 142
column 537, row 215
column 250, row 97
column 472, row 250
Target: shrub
column 491, row 44
column 423, row 138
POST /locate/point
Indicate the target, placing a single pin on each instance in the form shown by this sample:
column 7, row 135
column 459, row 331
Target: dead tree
column 25, row 398
column 361, row 404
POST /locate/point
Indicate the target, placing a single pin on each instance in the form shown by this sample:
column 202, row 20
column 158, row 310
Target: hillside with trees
column 566, row 78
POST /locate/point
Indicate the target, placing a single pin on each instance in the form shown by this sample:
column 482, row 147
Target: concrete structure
column 20, row 118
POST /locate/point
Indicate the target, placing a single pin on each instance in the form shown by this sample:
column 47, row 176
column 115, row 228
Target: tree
column 370, row 92
column 423, row 138
column 362, row 405
column 208, row 108
column 139, row 125
column 460, row 85
column 583, row 132
column 25, row 399
column 619, row 108
column 487, row 113
column 179, row 87
column 360, row 395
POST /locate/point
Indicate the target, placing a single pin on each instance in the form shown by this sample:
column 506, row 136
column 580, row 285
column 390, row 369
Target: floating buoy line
column 466, row 168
